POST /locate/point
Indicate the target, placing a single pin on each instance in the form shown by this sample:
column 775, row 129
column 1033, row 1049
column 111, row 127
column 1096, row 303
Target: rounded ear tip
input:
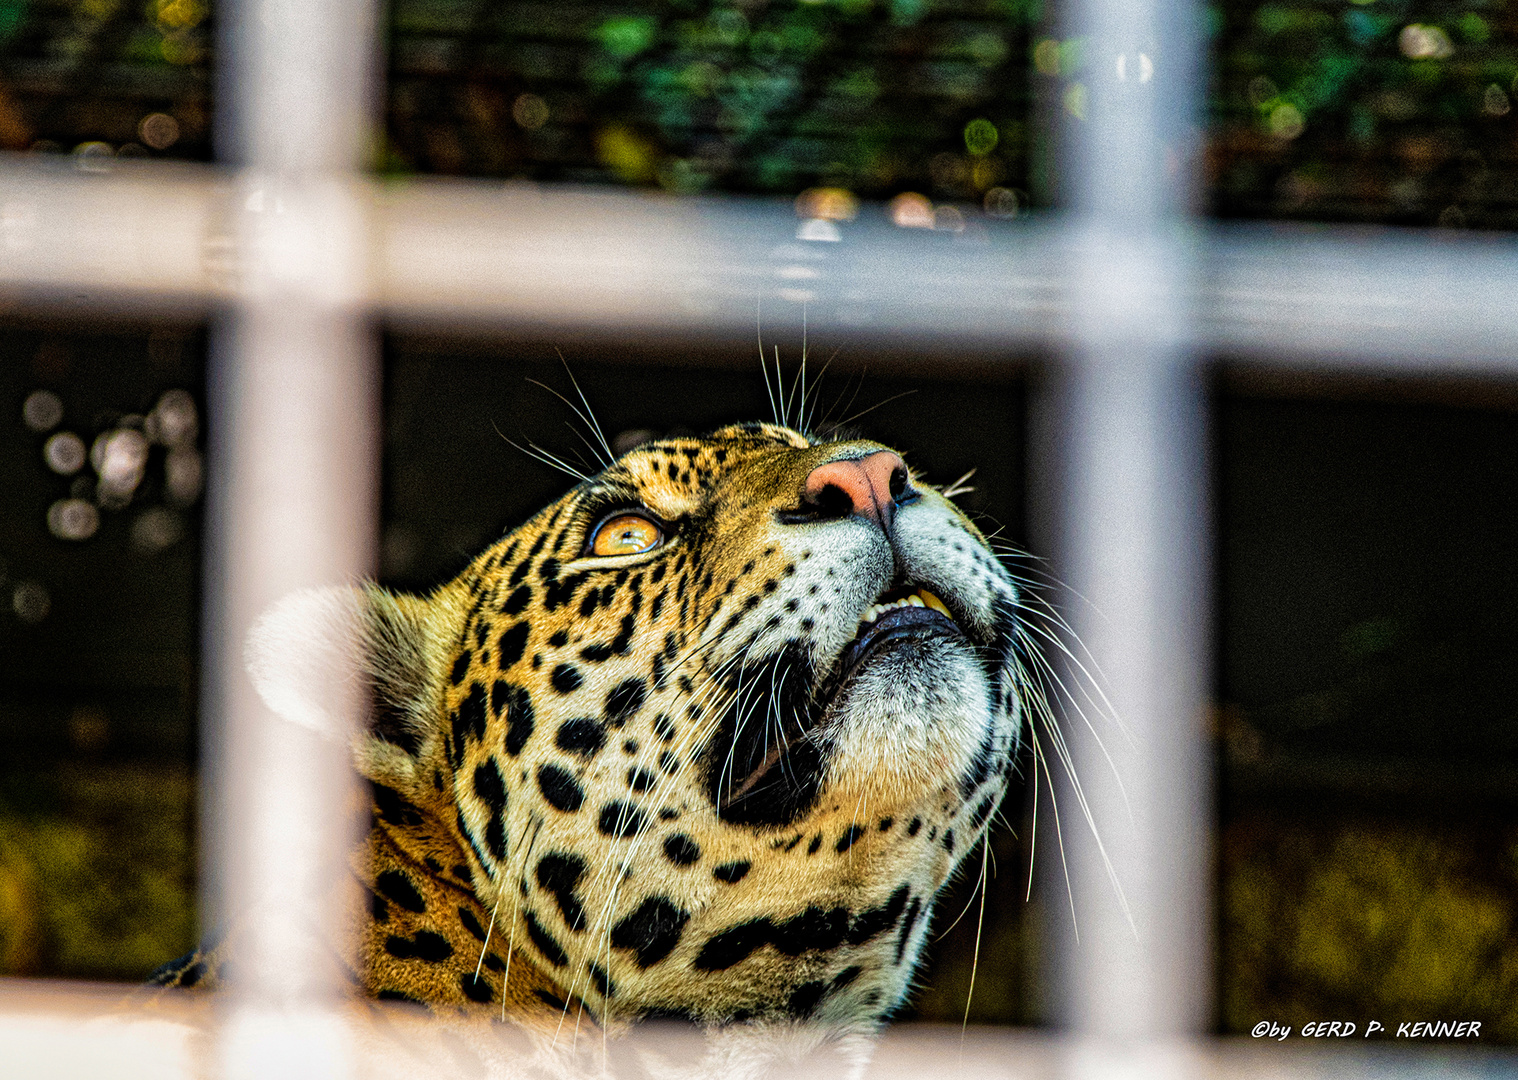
column 305, row 657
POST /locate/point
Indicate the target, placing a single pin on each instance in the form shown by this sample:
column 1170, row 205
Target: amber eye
column 626, row 534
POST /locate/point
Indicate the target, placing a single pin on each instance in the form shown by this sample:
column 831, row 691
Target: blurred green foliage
column 1354, row 110
column 1396, row 111
column 90, row 71
column 873, row 95
column 97, row 869
column 1369, row 920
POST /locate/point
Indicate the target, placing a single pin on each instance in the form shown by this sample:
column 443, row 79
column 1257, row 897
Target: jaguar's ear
column 304, row 652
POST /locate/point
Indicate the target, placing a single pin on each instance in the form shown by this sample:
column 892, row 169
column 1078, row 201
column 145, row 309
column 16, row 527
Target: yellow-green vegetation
column 1366, row 921
column 97, row 876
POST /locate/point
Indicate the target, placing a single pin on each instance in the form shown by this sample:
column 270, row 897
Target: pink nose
column 865, row 482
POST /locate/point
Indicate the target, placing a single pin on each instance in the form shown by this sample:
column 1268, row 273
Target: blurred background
column 1366, row 698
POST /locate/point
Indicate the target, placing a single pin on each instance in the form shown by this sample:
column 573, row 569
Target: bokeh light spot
column 181, row 14
column 1003, row 202
column 65, row 453
column 158, row 130
column 949, row 172
column 626, row 153
column 1286, row 121
column 948, row 219
column 72, row 519
column 909, row 210
column 1046, row 57
column 31, row 602
column 183, row 475
column 1421, row 42
column 119, row 457
column 155, row 529
column 174, row 421
column 830, row 203
column 981, row 136
column 93, row 156
column 627, row 37
column 1075, row 100
column 42, row 410
column 529, row 111
column 819, row 229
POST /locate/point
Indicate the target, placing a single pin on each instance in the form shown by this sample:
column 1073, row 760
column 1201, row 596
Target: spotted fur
column 648, row 784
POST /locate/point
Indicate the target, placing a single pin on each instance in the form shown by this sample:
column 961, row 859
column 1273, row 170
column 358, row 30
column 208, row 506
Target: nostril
column 830, row 502
column 827, row 502
column 867, row 486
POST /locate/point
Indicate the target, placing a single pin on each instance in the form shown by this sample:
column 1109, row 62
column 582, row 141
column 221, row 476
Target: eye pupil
column 626, row 534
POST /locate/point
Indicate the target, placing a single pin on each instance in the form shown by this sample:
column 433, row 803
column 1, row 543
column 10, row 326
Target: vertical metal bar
column 294, row 413
column 1124, row 434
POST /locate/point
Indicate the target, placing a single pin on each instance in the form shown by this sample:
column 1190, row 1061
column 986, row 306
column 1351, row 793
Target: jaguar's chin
column 910, row 718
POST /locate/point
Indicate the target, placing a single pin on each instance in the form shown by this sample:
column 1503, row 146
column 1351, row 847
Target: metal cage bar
column 1122, row 427
column 130, row 238
column 294, row 409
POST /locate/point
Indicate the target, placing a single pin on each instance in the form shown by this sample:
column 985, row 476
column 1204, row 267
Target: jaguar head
column 710, row 732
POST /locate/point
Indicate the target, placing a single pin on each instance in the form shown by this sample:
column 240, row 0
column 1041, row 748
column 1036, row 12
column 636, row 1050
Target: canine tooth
column 934, row 602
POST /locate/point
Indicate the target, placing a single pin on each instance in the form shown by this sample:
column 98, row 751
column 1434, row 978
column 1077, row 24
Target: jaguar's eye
column 626, row 534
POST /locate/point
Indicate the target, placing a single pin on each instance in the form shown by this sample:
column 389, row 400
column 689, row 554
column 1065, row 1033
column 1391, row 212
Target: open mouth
column 910, row 612
column 771, row 759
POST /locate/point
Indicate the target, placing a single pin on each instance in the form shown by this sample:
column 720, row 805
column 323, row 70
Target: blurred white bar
column 1123, row 430
column 149, row 240
column 1413, row 301
column 1126, row 432
column 294, row 398
column 117, row 239
column 53, row 1031
column 621, row 264
column 301, row 81
column 292, row 504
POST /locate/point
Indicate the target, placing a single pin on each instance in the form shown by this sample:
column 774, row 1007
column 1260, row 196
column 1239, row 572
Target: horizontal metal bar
column 445, row 254
column 1365, row 298
column 606, row 261
column 119, row 240
column 54, row 1031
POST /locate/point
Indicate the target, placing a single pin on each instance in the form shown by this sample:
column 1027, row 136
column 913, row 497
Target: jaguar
column 705, row 737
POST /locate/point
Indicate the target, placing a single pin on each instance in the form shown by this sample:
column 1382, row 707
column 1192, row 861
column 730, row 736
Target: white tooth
column 915, row 601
